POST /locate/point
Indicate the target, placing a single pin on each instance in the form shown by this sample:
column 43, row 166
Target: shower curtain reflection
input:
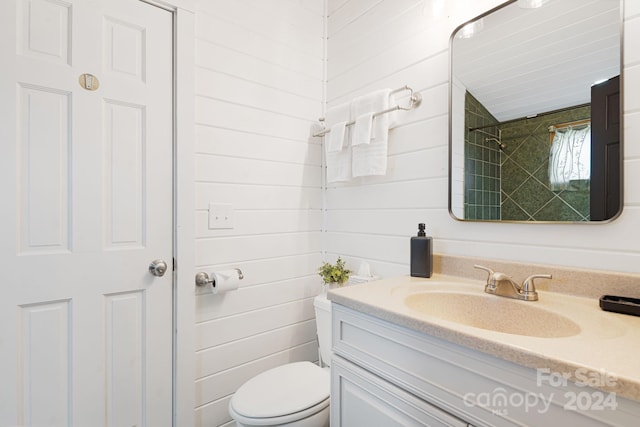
column 570, row 158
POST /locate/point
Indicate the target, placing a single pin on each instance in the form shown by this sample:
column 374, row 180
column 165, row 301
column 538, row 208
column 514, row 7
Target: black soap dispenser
column 421, row 254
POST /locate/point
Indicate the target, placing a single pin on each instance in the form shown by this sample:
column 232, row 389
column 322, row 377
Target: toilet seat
column 283, row 394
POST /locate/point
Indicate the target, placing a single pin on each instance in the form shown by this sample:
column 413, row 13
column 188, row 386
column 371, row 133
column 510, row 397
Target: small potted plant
column 333, row 274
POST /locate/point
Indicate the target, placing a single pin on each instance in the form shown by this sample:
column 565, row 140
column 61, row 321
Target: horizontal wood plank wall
column 259, row 90
column 374, row 44
column 260, row 83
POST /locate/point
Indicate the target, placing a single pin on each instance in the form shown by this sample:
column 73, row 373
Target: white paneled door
column 86, row 186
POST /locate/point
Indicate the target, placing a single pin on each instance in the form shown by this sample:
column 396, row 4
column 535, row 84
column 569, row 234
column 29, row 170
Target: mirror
column 535, row 113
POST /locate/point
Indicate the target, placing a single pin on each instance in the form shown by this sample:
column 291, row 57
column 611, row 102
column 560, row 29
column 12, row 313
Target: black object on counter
column 421, row 254
column 624, row 305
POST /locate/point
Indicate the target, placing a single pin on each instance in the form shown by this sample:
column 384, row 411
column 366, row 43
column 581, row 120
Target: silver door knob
column 158, row 267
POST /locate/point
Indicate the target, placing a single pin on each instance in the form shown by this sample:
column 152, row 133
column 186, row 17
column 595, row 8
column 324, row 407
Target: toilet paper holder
column 203, row 279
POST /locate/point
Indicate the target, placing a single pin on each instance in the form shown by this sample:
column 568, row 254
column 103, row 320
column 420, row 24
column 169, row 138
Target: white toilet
column 295, row 394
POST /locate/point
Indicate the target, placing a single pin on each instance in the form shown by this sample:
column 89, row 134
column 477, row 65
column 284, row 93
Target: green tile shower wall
column 525, row 189
column 514, row 184
column 482, row 164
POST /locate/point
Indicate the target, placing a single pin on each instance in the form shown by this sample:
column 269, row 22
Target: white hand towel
column 338, row 151
column 336, row 137
column 362, row 129
column 371, row 158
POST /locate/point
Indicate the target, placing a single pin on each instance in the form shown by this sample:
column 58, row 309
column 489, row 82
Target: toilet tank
column 323, row 323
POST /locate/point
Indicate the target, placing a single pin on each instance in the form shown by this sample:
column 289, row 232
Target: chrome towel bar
column 414, row 101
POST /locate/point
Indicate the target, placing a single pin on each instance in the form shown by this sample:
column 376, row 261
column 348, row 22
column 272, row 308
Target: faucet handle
column 487, row 269
column 529, row 288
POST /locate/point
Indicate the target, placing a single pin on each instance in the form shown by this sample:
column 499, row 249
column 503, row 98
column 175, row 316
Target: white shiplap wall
column 260, row 83
column 259, row 88
column 374, row 44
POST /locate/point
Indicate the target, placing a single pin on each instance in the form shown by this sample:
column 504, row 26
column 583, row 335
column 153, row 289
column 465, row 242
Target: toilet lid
column 283, row 390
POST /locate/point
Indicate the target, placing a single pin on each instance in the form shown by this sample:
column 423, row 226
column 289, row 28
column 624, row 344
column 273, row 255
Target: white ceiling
column 529, row 61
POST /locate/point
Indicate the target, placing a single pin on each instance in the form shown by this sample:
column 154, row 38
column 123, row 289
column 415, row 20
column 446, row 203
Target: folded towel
column 362, row 129
column 337, row 148
column 371, row 158
column 336, row 137
column 339, row 166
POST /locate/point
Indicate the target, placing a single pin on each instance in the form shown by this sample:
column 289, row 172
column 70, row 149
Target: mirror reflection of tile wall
column 482, row 163
column 526, row 193
column 513, row 184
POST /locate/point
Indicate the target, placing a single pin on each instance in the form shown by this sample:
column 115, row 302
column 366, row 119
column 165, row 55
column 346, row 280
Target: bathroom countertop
column 603, row 355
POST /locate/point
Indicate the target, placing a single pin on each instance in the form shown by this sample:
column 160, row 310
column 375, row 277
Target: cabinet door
column 359, row 398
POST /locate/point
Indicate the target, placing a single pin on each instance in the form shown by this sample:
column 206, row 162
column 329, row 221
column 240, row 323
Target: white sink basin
column 465, row 305
column 493, row 313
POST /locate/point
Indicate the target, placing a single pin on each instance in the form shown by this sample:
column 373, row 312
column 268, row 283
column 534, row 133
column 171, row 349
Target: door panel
column 44, row 30
column 124, row 175
column 125, row 376
column 124, row 50
column 44, row 150
column 606, row 192
column 45, row 341
column 85, row 329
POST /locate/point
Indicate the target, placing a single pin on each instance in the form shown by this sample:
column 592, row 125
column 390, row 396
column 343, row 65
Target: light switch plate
column 220, row 216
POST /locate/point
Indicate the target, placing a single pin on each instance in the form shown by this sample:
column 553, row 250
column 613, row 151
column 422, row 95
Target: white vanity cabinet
column 365, row 399
column 388, row 375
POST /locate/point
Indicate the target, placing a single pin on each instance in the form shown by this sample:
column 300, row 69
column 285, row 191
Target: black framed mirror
column 535, row 113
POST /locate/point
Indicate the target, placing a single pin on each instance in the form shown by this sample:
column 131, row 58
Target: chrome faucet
column 502, row 285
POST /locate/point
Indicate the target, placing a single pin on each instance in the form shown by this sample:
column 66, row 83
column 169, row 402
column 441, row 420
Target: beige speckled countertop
column 607, row 343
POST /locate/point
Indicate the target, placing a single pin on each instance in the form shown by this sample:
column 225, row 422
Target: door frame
column 183, row 310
